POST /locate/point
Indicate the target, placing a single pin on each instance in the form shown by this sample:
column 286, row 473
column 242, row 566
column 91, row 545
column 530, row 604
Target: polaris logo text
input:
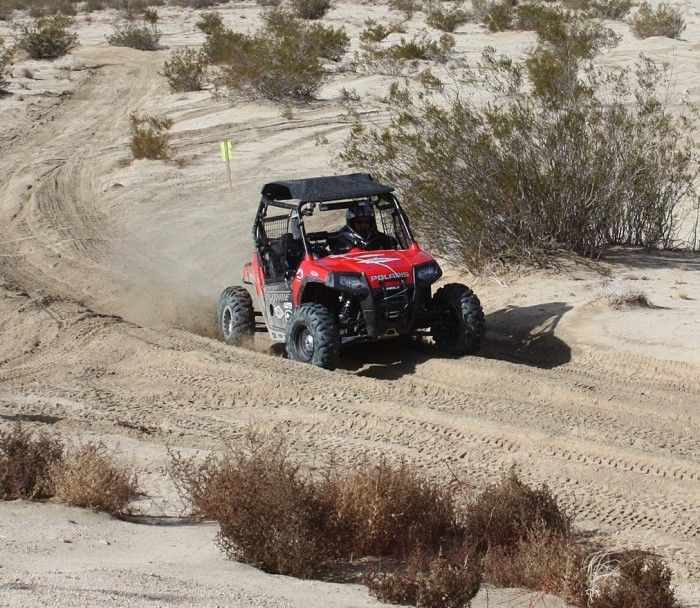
column 389, row 277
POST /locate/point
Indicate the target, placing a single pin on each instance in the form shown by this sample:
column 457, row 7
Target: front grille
column 393, row 301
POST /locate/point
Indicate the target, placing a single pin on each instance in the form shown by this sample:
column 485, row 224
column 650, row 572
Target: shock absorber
column 345, row 311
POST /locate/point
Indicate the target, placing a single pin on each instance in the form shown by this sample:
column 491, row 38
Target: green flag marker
column 226, row 150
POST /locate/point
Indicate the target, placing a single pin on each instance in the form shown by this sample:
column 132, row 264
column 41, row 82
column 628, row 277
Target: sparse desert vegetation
column 277, row 516
column 618, row 294
column 7, row 55
column 445, row 17
column 210, row 22
column 544, row 111
column 91, row 476
column 664, row 21
column 150, row 137
column 26, row 462
column 311, row 9
column 281, row 60
column 36, row 466
column 47, row 37
column 186, row 70
column 142, row 37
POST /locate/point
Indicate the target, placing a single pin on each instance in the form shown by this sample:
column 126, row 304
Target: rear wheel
column 236, row 316
column 461, row 325
column 313, row 337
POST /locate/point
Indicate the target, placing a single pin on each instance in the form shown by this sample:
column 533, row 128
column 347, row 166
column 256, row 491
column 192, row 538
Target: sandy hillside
column 110, row 270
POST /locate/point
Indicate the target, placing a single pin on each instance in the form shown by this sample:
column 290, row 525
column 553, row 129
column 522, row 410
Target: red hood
column 377, row 266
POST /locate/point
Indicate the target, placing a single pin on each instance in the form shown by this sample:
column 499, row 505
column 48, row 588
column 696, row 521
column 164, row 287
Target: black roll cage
column 303, row 208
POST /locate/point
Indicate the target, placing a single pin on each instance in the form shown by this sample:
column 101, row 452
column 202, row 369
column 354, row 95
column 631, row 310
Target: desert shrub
column 91, row 476
column 269, row 3
column 311, row 9
column 428, row 580
column 47, row 8
column 7, row 55
column 196, row 4
column 185, row 70
column 543, row 561
column 388, row 510
column 6, row 13
column 150, row 16
column 47, row 37
column 25, row 464
column 149, row 136
column 621, row 295
column 141, row 37
column 282, row 59
column 563, row 155
column 447, row 19
column 405, row 7
column 496, row 16
column 269, row 513
column 632, row 578
column 374, row 31
column 332, row 43
column 210, row 22
column 506, row 511
column 664, row 21
column 419, row 47
column 610, row 9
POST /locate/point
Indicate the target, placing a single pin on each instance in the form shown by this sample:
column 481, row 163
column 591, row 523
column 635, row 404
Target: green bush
column 406, row 7
column 47, row 37
column 210, row 22
column 150, row 16
column 150, row 137
column 311, row 9
column 141, row 37
column 196, row 4
column 446, row 19
column 374, row 32
column 331, row 43
column 282, row 59
column 7, row 55
column 566, row 156
column 664, row 21
column 186, row 70
column 610, row 9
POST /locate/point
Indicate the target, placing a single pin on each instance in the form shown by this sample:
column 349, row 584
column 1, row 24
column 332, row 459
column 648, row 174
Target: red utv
column 317, row 296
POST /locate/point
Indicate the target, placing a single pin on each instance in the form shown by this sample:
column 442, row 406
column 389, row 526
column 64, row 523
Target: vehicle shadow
column 517, row 334
column 525, row 335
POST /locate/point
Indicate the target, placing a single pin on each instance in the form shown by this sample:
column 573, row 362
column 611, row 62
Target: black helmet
column 361, row 209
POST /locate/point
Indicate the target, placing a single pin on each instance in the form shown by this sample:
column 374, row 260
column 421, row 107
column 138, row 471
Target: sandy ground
column 110, row 270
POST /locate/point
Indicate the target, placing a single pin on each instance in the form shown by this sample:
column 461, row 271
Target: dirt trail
column 614, row 433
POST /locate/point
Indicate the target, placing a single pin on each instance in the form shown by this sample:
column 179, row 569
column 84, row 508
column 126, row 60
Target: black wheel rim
column 304, row 343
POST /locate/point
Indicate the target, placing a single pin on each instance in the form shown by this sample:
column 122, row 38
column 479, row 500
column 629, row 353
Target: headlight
column 348, row 282
column 428, row 273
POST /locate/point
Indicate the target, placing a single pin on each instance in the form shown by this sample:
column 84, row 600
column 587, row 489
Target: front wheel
column 460, row 326
column 236, row 316
column 313, row 337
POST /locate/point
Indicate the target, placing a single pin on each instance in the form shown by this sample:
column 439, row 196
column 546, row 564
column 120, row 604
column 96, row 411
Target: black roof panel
column 331, row 188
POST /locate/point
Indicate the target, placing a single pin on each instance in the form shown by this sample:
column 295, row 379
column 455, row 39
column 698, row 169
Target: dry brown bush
column 91, row 476
column 506, row 511
column 544, row 561
column 619, row 295
column 210, row 22
column 446, row 18
column 382, row 509
column 269, row 514
column 150, row 137
column 25, row 463
column 429, row 580
column 629, row 579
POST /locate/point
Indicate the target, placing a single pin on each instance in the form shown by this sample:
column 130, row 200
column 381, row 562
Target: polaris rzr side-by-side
column 320, row 289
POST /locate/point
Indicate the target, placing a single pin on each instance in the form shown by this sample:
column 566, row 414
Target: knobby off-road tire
column 313, row 337
column 462, row 326
column 236, row 316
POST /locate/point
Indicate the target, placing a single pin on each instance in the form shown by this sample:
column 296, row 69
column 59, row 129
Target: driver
column 360, row 231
